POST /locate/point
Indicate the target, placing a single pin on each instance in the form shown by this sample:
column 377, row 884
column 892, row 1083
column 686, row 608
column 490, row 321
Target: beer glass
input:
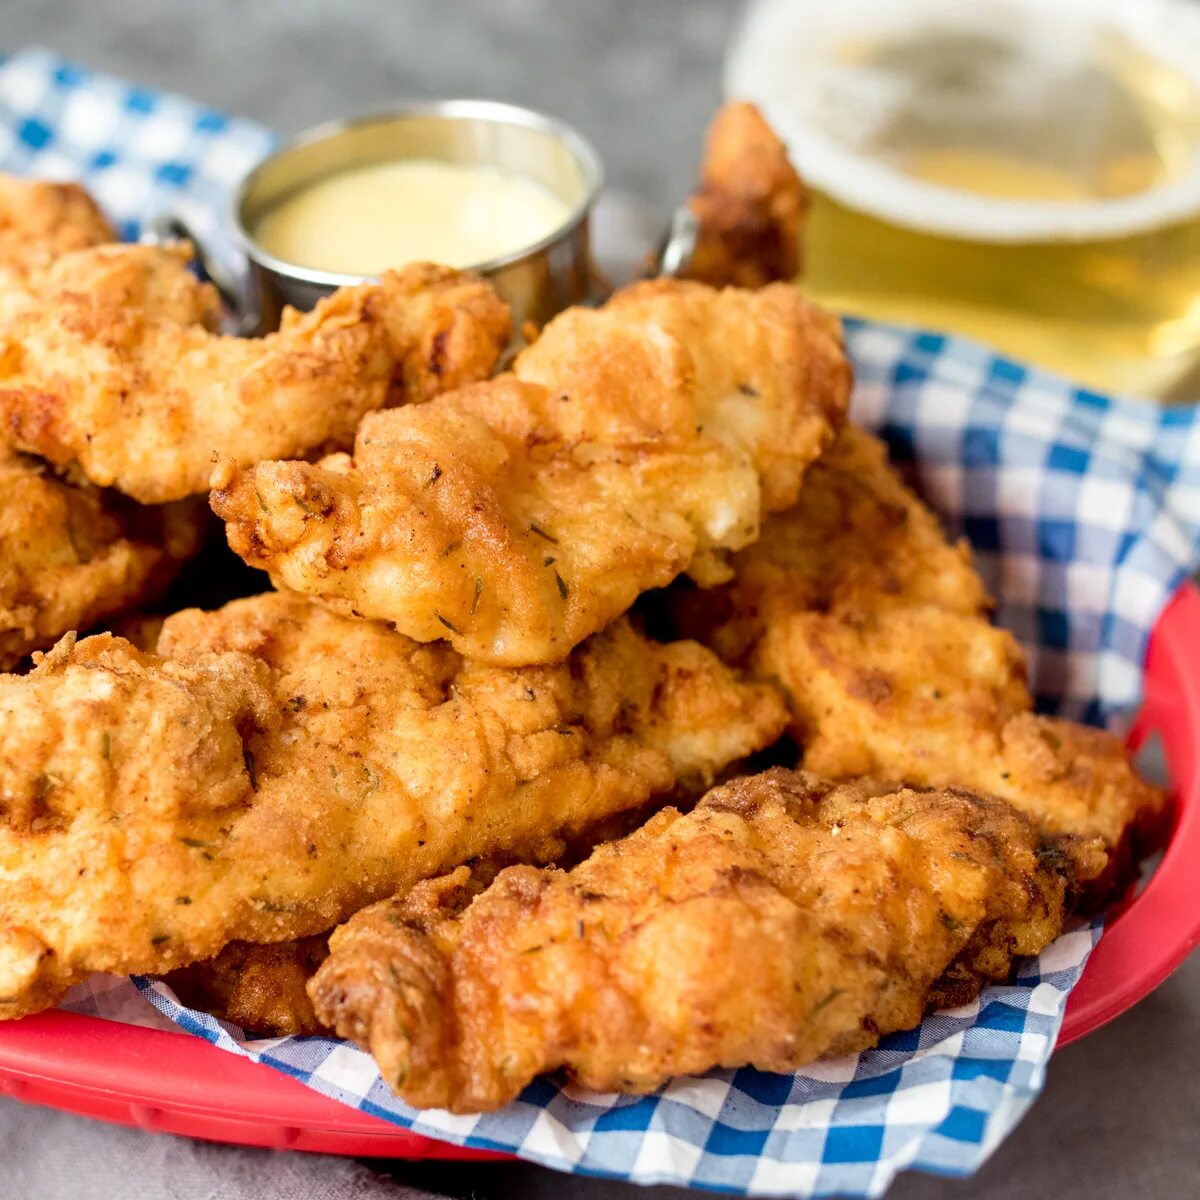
column 1026, row 172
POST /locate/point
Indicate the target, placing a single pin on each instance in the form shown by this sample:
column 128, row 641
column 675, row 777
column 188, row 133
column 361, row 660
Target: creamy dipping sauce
column 369, row 219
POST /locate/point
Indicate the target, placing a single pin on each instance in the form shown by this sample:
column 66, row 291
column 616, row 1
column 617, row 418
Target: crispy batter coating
column 857, row 540
column 260, row 988
column 71, row 557
column 518, row 516
column 106, row 366
column 277, row 766
column 154, row 281
column 139, row 629
column 40, row 220
column 877, row 629
column 934, row 698
column 783, row 920
column 751, row 205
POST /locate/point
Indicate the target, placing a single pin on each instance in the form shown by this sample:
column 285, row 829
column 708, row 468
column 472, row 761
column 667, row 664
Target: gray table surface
column 1121, row 1111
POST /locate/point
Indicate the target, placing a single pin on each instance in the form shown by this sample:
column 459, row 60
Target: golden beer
column 1043, row 143
column 1120, row 315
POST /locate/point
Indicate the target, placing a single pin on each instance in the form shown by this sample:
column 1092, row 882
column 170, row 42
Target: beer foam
column 820, row 73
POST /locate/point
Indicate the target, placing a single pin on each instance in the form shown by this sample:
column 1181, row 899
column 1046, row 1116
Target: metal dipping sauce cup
column 537, row 281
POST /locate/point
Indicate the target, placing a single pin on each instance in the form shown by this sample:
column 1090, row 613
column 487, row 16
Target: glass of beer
column 1025, row 172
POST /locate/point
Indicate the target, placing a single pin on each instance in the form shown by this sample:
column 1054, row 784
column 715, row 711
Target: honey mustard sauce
column 369, row 219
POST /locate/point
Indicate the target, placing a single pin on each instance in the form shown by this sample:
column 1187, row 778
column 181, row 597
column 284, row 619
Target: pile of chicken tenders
column 452, row 784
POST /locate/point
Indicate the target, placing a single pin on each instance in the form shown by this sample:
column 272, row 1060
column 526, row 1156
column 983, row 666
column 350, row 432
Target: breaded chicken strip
column 514, row 518
column 73, row 556
column 260, row 988
column 876, row 627
column 121, row 383
column 41, row 220
column 155, row 281
column 783, row 920
column 858, row 540
column 750, row 206
column 275, row 767
column 936, row 698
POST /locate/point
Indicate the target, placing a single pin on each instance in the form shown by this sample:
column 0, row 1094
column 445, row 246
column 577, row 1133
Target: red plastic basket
column 177, row 1083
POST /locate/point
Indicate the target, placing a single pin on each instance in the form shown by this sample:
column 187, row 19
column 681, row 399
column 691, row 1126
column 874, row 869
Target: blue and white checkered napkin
column 139, row 152
column 1085, row 512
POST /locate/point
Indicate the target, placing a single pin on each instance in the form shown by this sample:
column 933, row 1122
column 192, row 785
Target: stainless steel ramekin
column 537, row 281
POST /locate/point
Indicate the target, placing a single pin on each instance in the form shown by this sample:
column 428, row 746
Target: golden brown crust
column 277, row 766
column 516, row 517
column 857, row 540
column 932, row 698
column 71, row 557
column 783, row 920
column 877, row 629
column 41, row 220
column 751, row 205
column 260, row 988
column 108, row 366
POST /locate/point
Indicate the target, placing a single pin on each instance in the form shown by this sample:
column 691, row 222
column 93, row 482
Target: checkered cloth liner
column 1085, row 512
column 139, row 152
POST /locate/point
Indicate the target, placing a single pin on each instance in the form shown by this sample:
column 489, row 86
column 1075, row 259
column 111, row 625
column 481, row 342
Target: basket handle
column 1161, row 926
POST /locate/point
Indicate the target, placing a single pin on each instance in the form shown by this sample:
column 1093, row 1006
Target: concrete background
column 1121, row 1111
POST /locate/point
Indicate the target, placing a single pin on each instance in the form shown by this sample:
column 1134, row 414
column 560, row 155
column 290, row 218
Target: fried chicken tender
column 785, row 919
column 877, row 630
column 936, row 698
column 751, row 205
column 260, row 988
column 516, row 517
column 71, row 557
column 107, row 368
column 41, row 220
column 276, row 766
column 858, row 540
column 155, row 281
